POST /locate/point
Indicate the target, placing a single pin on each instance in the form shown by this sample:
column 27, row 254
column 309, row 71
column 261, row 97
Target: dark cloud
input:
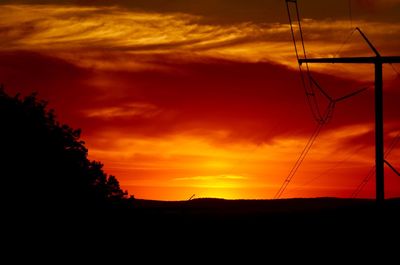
column 254, row 102
column 56, row 81
column 232, row 11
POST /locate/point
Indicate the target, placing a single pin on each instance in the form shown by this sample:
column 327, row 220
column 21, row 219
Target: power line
column 321, row 118
column 392, row 167
column 372, row 171
column 333, row 167
column 364, row 182
column 393, row 144
column 327, row 117
column 378, row 61
column 350, row 14
column 395, row 70
column 344, row 42
column 308, row 89
column 299, row 161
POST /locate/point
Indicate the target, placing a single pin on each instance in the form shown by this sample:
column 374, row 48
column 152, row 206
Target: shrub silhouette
column 44, row 163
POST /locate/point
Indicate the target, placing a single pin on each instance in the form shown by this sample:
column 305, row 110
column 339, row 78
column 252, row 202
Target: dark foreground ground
column 258, row 213
column 234, row 216
column 202, row 225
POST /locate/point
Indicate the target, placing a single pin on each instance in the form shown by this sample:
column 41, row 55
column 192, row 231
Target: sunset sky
column 183, row 97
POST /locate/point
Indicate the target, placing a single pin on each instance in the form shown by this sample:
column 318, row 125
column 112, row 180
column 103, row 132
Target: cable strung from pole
column 299, row 161
column 308, row 88
column 393, row 144
column 336, row 165
column 350, row 14
column 321, row 119
column 352, row 30
column 302, row 156
column 345, row 42
column 395, row 70
column 364, row 182
column 372, row 171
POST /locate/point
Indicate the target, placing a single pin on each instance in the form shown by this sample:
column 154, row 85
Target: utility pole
column 378, row 61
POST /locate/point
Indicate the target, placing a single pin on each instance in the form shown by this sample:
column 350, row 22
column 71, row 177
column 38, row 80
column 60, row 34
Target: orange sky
column 180, row 97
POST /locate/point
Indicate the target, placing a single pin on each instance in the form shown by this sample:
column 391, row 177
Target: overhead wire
column 352, row 30
column 301, row 157
column 330, row 169
column 395, row 70
column 321, row 118
column 308, row 88
column 364, row 182
column 346, row 40
column 372, row 171
column 299, row 161
column 350, row 14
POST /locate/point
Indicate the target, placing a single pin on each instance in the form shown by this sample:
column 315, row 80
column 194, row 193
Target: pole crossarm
column 355, row 60
column 378, row 62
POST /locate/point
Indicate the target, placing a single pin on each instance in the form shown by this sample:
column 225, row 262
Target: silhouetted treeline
column 44, row 163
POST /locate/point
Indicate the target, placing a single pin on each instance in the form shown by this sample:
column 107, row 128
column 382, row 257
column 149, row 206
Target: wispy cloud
column 116, row 38
column 112, row 28
column 131, row 110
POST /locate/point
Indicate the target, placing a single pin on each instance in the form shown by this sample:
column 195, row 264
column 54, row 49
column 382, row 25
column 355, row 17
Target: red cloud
column 249, row 101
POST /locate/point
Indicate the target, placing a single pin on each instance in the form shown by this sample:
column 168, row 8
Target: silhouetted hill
column 260, row 216
column 221, row 208
column 244, row 223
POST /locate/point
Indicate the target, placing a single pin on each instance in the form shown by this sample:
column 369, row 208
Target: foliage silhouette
column 44, row 163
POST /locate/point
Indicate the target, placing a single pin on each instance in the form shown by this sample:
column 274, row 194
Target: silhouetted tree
column 114, row 190
column 46, row 162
